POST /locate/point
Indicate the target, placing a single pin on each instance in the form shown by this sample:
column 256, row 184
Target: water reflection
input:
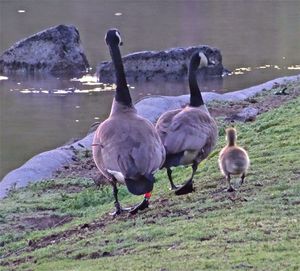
column 34, row 120
column 243, row 70
column 89, row 83
column 294, row 67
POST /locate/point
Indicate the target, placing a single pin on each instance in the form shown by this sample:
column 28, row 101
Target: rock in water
column 56, row 51
column 171, row 64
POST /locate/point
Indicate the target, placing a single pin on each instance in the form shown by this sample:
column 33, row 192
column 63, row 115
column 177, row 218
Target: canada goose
column 126, row 147
column 188, row 134
column 233, row 160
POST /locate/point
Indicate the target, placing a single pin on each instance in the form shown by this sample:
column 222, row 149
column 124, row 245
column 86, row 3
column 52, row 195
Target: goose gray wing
column 164, row 122
column 131, row 147
column 145, row 152
column 191, row 129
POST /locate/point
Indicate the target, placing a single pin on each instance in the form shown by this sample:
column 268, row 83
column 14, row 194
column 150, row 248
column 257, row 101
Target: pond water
column 259, row 41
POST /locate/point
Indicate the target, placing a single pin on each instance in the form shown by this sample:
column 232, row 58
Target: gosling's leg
column 188, row 187
column 141, row 206
column 243, row 178
column 119, row 209
column 230, row 188
column 173, row 186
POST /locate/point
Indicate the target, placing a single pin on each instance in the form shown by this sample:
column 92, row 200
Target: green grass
column 258, row 228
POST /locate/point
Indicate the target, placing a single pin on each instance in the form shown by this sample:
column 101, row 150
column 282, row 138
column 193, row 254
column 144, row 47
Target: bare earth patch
column 44, row 222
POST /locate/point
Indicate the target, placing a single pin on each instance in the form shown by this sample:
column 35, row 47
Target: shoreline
column 34, row 170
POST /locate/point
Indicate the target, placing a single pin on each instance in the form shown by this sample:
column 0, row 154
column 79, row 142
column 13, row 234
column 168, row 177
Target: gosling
column 233, row 160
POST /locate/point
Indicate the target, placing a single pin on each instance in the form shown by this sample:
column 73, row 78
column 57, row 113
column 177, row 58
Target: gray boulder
column 56, row 51
column 247, row 114
column 171, row 64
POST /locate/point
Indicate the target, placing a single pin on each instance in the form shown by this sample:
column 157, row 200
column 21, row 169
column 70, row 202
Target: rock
column 171, row 64
column 56, row 51
column 152, row 107
column 42, row 166
column 247, row 114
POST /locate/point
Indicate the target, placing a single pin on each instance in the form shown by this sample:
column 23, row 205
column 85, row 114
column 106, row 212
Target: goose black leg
column 187, row 187
column 141, row 206
column 173, row 186
column 230, row 188
column 119, row 209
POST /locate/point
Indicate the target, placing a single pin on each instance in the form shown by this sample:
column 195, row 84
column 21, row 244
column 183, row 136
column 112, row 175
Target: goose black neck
column 195, row 97
column 122, row 92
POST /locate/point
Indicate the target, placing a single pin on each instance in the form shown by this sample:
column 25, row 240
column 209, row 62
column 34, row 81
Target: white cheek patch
column 119, row 36
column 118, row 175
column 201, row 55
column 203, row 60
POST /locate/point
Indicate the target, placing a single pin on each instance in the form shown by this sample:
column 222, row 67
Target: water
column 259, row 41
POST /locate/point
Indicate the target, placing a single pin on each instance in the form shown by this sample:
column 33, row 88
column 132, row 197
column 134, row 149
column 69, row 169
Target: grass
column 256, row 228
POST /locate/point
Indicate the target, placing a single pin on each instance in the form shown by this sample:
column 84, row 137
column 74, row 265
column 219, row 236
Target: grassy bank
column 63, row 224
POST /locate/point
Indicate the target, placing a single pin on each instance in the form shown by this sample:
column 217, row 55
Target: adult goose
column 126, row 147
column 188, row 134
column 233, row 160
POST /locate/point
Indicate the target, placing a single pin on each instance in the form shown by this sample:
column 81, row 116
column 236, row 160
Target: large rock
column 56, row 50
column 247, row 114
column 171, row 64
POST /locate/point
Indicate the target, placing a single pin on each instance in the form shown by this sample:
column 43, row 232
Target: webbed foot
column 231, row 189
column 141, row 206
column 185, row 188
column 119, row 210
column 174, row 187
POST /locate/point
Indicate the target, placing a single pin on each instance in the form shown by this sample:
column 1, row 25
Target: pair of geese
column 128, row 149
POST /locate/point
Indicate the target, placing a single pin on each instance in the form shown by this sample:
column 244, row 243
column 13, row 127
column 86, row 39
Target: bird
column 233, row 160
column 189, row 134
column 126, row 147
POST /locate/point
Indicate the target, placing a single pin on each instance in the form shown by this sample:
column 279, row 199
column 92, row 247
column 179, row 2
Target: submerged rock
column 171, row 64
column 56, row 51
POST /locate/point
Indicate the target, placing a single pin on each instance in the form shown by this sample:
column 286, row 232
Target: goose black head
column 113, row 37
column 199, row 59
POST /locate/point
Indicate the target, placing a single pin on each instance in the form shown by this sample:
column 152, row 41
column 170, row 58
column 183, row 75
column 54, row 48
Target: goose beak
column 121, row 43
